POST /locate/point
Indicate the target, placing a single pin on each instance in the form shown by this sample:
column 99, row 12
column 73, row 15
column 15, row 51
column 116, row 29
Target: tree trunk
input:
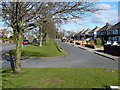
column 47, row 37
column 41, row 36
column 18, row 54
column 41, row 39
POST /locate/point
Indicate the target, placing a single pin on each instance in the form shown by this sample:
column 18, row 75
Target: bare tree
column 19, row 16
column 54, row 11
column 22, row 17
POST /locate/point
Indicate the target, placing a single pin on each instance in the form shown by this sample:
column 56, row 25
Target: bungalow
column 93, row 33
column 114, row 33
column 102, row 33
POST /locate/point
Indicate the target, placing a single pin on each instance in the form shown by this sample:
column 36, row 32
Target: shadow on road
column 10, row 59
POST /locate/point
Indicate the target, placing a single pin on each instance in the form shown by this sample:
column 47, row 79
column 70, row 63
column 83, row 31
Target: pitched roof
column 87, row 31
column 106, row 27
column 82, row 31
column 115, row 27
column 96, row 29
column 76, row 33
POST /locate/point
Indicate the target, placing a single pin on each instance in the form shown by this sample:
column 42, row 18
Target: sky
column 109, row 15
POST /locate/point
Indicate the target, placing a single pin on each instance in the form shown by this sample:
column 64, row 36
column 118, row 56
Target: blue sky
column 110, row 15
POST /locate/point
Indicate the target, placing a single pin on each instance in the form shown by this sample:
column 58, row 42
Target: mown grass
column 47, row 50
column 60, row 78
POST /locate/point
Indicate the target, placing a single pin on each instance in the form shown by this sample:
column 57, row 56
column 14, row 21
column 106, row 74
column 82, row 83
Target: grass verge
column 47, row 50
column 60, row 78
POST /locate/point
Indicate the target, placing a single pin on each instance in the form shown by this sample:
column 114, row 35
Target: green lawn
column 47, row 50
column 60, row 78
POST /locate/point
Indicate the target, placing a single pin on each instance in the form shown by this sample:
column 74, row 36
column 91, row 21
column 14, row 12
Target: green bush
column 7, row 39
column 87, row 41
column 98, row 41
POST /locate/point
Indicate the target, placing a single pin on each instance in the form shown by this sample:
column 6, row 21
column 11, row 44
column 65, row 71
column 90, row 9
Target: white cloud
column 106, row 16
column 105, row 6
column 108, row 0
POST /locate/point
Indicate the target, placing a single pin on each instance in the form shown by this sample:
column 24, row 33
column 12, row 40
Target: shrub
column 98, row 41
column 87, row 41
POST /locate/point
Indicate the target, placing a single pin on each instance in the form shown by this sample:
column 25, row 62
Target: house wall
column 114, row 35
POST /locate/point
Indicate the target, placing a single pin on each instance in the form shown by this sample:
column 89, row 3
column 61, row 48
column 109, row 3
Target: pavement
column 97, row 52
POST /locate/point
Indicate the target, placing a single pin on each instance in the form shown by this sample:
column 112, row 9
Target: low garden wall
column 90, row 46
column 113, row 50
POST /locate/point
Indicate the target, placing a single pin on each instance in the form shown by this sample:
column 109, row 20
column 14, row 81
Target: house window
column 115, row 31
column 118, row 38
column 114, row 38
column 108, row 32
column 119, row 31
column 97, row 33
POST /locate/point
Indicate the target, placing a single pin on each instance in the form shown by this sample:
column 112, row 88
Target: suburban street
column 60, row 44
column 76, row 58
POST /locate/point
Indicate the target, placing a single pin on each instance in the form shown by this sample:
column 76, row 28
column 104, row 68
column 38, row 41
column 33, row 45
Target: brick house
column 93, row 33
column 114, row 33
column 79, row 35
column 76, row 36
column 73, row 36
column 102, row 33
column 85, row 34
column 82, row 34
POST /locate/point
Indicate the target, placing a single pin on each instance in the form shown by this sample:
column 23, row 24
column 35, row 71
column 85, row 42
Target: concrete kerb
column 115, row 58
column 107, row 56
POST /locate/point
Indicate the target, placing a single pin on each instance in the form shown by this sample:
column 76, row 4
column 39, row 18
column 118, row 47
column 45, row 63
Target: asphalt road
column 3, row 48
column 76, row 58
column 6, row 47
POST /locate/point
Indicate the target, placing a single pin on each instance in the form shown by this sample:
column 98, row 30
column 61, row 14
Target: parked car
column 63, row 39
column 25, row 42
column 35, row 40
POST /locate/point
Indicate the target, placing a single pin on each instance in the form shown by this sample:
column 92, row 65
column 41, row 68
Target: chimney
column 96, row 26
column 107, row 24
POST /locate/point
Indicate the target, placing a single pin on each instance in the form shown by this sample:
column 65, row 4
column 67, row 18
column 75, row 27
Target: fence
column 113, row 50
